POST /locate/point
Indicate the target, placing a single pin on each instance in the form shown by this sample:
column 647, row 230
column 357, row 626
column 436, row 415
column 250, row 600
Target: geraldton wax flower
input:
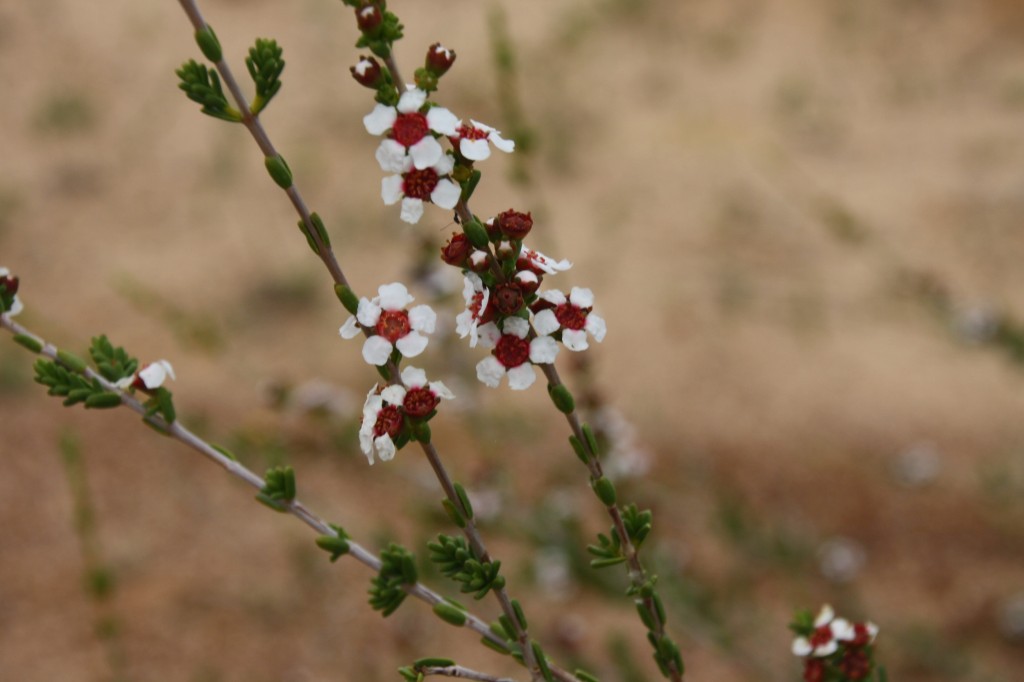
column 513, row 354
column 572, row 315
column 387, row 411
column 391, row 326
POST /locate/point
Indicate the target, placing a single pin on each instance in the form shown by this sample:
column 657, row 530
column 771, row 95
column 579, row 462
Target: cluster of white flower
column 835, row 646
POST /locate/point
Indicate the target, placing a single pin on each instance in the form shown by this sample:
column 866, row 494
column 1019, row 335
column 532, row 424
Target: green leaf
column 208, row 43
column 265, row 65
column 450, row 614
column 113, row 363
column 433, row 663
column 202, row 85
column 279, row 171
column 104, row 400
column 347, row 297
column 28, row 342
column 562, row 398
column 605, row 491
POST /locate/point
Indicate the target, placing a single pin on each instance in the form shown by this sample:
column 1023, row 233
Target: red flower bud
column 513, row 224
column 479, row 261
column 528, row 281
column 9, row 284
column 368, row 17
column 456, row 251
column 508, row 298
column 367, row 72
column 439, row 59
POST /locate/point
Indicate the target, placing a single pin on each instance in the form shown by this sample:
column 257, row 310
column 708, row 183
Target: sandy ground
column 802, row 220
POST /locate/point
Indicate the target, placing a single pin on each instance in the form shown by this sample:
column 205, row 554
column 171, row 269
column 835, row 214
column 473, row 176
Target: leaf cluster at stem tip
column 398, row 569
column 457, row 561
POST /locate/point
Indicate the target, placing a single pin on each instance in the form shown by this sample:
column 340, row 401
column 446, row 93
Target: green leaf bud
column 336, row 546
column 453, row 513
column 588, row 433
column 562, row 398
column 542, row 661
column 321, row 231
column 605, row 491
column 450, row 614
column 645, row 616
column 279, row 171
column 347, row 297
column 71, row 361
column 577, row 447
column 520, row 616
column 104, row 400
column 491, row 644
column 433, row 663
column 460, row 492
column 208, row 43
column 476, row 233
column 28, row 342
column 605, row 563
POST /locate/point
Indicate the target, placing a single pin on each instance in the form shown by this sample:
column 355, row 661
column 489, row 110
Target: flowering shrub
column 429, row 156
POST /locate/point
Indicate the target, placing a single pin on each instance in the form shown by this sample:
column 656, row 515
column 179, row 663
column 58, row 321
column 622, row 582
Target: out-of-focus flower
column 150, row 377
column 10, row 304
column 828, row 632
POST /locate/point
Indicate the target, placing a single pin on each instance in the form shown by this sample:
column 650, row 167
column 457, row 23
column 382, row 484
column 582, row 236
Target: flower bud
column 513, row 224
column 9, row 284
column 369, row 17
column 367, row 72
column 508, row 298
column 456, row 251
column 439, row 59
column 504, row 250
column 493, row 232
column 479, row 261
column 528, row 281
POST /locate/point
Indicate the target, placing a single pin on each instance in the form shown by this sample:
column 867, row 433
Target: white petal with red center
column 391, row 189
column 425, row 153
column 154, row 374
column 391, row 156
column 441, row 391
column 413, row 377
column 394, row 296
column 543, row 349
column 802, row 647
column 393, row 394
column 545, row 322
column 446, row 194
column 412, row 344
column 575, row 339
column 377, row 350
column 350, row 329
column 412, row 210
column 596, row 326
column 581, row 298
column 443, row 121
column 516, row 326
column 522, row 377
column 546, row 264
column 825, row 616
column 380, row 119
column 368, row 312
column 488, row 334
column 553, row 296
column 385, row 448
column 423, row 318
column 411, row 100
column 490, row 371
column 474, row 150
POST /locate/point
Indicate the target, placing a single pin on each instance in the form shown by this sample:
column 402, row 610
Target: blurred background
column 802, row 220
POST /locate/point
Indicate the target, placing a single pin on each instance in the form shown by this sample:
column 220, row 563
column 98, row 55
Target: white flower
column 477, row 297
column 513, row 354
column 417, row 396
column 410, row 132
column 150, row 377
column 473, row 141
column 382, row 422
column 573, row 316
column 394, row 326
column 828, row 632
column 541, row 264
column 413, row 186
column 16, row 305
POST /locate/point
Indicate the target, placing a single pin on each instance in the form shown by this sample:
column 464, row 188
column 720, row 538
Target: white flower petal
column 122, row 383
column 444, row 165
column 546, row 264
column 154, row 374
column 377, row 350
column 414, row 377
column 441, row 391
column 391, row 189
column 411, row 100
column 490, row 371
column 380, row 119
column 545, row 322
column 368, row 312
column 412, row 344
column 825, row 616
column 543, row 349
column 422, row 318
column 802, row 647
column 443, row 121
column 596, row 326
column 385, row 448
column 391, row 156
column 488, row 335
column 481, row 126
column 581, row 298
column 464, row 324
column 474, row 150
column 516, row 326
column 4, row 272
column 522, row 377
column 394, row 296
column 350, row 329
column 393, row 394
column 575, row 339
column 412, row 210
column 501, row 143
column 16, row 307
column 842, row 630
column 872, row 631
column 446, row 194
column 826, row 649
column 553, row 296
column 527, row 277
column 425, row 153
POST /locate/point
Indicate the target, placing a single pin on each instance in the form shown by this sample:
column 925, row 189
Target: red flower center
column 512, row 351
column 418, row 184
column 393, row 324
column 419, row 402
column 470, row 133
column 821, row 635
column 570, row 316
column 389, row 421
column 861, row 635
column 409, row 129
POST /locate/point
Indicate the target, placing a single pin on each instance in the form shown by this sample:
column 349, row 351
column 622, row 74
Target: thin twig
column 460, row 671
